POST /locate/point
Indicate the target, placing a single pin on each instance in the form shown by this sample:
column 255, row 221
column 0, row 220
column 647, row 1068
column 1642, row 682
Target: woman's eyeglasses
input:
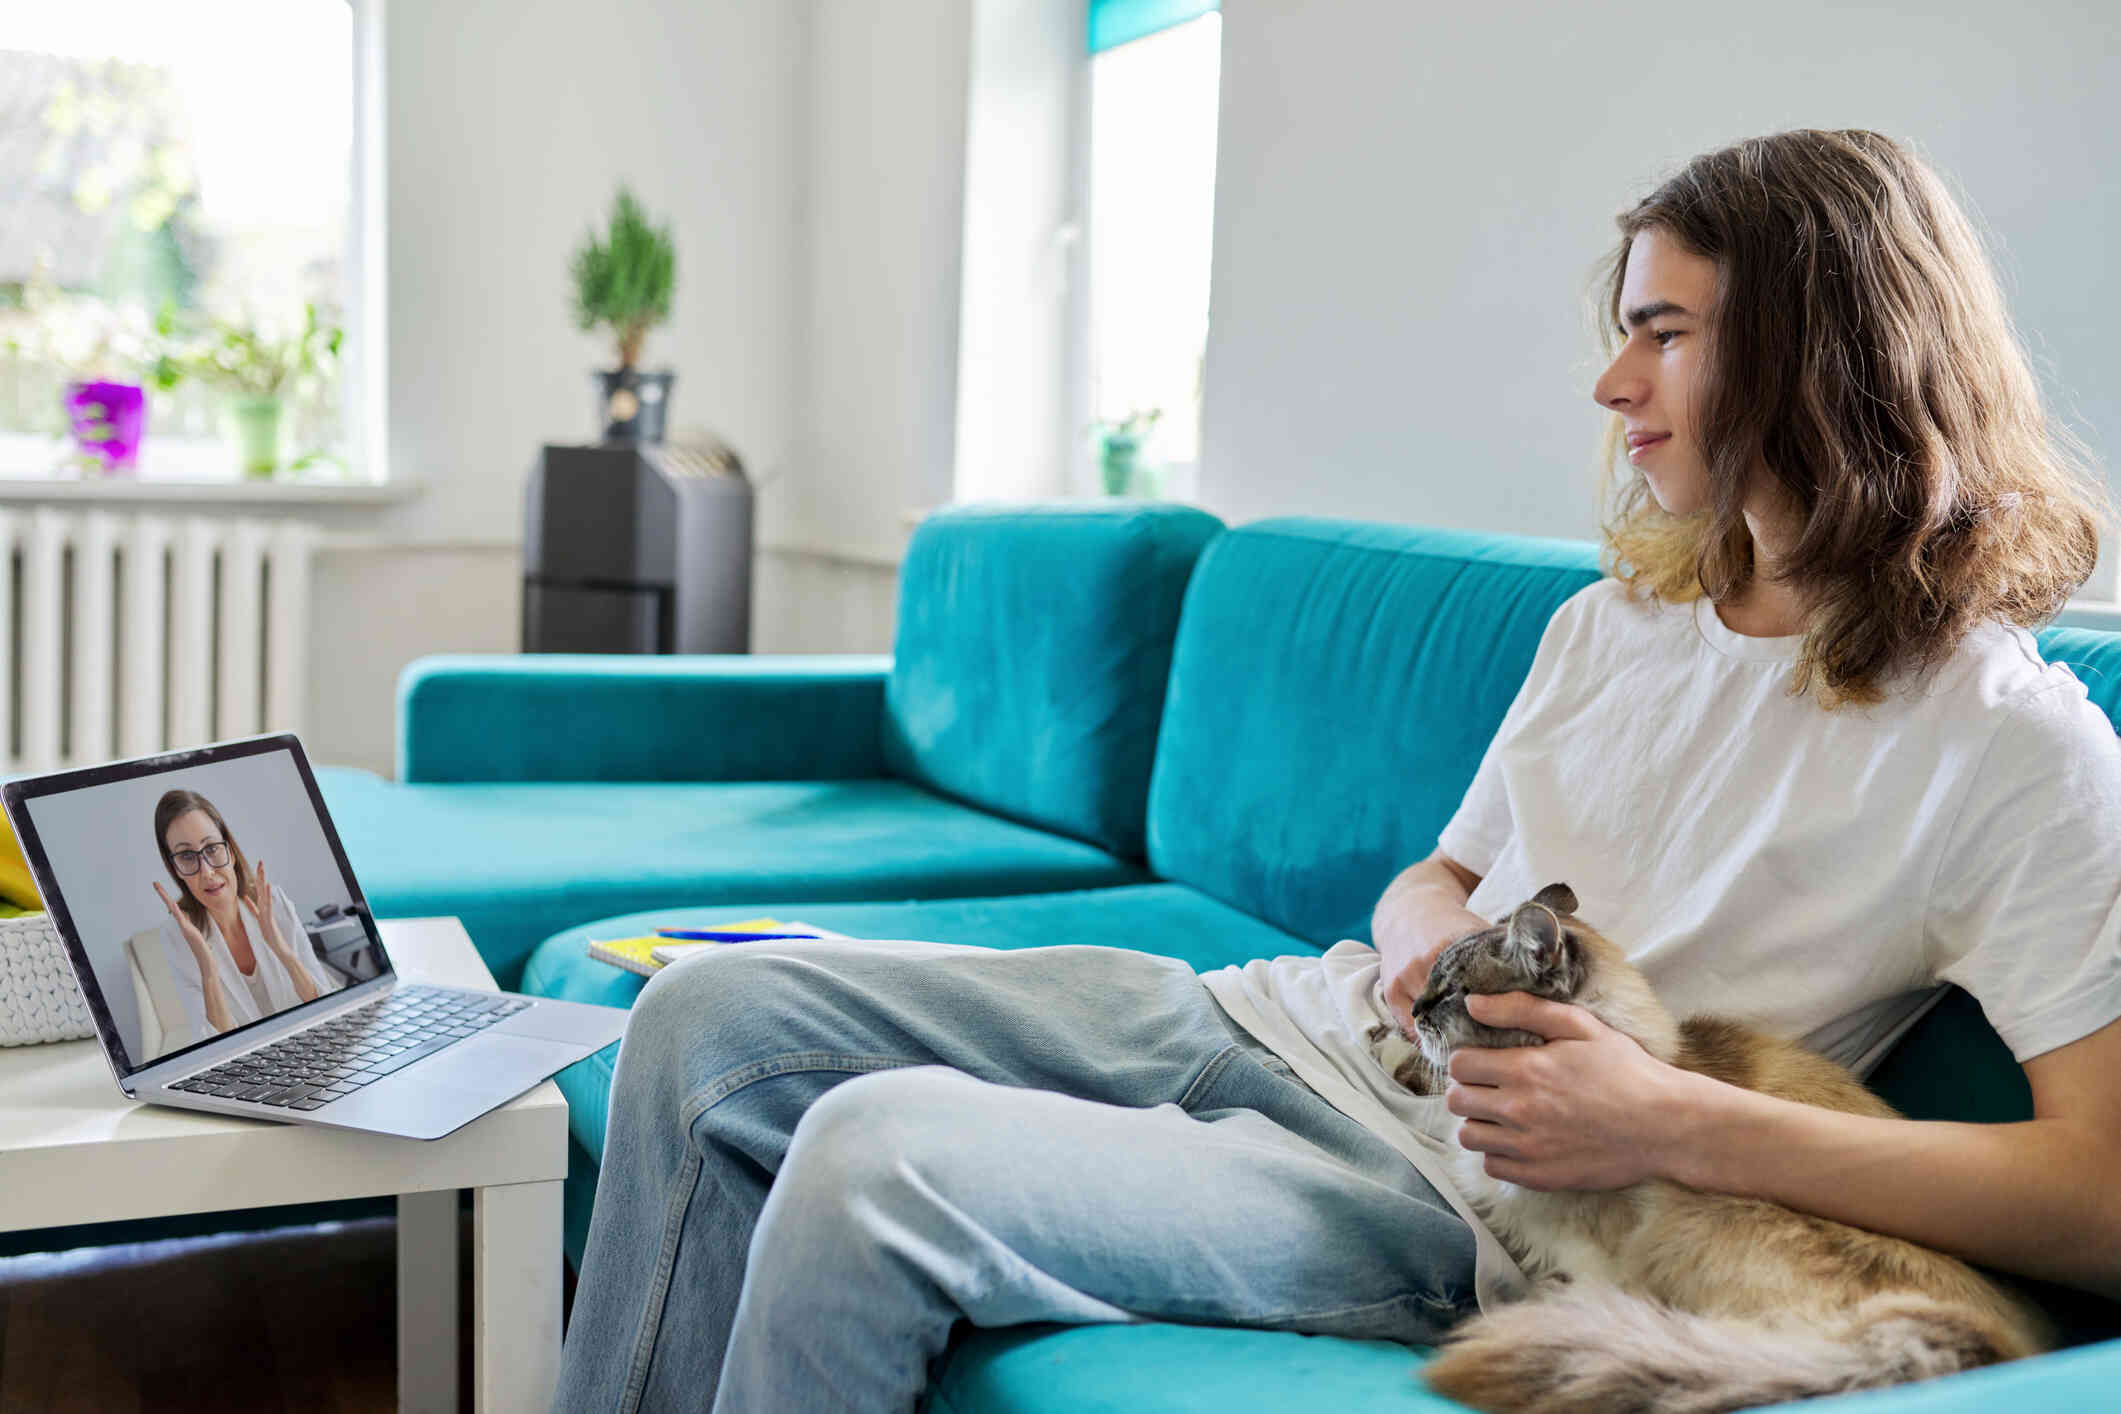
column 187, row 860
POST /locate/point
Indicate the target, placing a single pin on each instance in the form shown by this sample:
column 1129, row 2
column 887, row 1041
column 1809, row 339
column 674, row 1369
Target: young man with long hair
column 1797, row 753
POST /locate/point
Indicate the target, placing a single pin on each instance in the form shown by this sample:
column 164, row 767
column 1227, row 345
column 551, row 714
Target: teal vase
column 1116, row 461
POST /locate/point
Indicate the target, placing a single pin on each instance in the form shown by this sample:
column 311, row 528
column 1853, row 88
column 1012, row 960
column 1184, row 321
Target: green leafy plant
column 244, row 358
column 625, row 280
column 1131, row 430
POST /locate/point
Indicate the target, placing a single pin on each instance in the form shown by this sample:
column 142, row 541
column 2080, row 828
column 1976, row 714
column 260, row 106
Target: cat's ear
column 1559, row 897
column 1536, row 932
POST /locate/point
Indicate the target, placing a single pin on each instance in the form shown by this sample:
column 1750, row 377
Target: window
column 179, row 200
column 1154, row 72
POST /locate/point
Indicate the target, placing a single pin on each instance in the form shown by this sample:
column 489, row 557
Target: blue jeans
column 823, row 1155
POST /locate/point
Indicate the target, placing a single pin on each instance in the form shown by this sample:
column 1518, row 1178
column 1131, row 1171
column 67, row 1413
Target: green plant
column 1131, row 430
column 625, row 281
column 242, row 357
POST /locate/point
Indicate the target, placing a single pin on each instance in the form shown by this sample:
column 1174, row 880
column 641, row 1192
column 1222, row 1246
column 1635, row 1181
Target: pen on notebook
column 709, row 936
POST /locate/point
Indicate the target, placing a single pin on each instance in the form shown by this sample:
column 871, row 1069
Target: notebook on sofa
column 650, row 953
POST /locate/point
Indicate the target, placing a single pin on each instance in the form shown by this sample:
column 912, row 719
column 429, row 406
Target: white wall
column 509, row 124
column 1410, row 199
column 882, row 227
column 817, row 602
column 376, row 606
column 809, row 155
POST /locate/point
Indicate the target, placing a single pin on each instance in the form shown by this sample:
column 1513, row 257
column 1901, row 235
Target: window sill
column 127, row 490
column 173, row 470
column 2090, row 613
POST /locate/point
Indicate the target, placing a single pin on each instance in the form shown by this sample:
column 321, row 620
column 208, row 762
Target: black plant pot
column 633, row 404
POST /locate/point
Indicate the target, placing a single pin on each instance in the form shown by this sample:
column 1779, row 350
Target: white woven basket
column 39, row 999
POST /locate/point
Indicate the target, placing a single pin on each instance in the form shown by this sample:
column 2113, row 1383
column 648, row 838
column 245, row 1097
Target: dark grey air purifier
column 635, row 549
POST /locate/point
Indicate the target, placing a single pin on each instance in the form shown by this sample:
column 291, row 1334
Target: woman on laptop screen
column 236, row 943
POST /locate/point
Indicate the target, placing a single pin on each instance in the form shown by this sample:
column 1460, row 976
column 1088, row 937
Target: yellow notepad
column 641, row 954
column 678, row 949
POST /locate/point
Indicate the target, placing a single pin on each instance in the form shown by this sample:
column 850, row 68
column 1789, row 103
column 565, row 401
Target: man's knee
column 881, row 1128
column 722, row 996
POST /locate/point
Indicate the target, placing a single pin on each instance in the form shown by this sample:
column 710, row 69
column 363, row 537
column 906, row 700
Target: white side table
column 73, row 1149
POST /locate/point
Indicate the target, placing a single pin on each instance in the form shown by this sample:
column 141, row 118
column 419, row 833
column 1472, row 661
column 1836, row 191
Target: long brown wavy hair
column 182, row 802
column 1860, row 351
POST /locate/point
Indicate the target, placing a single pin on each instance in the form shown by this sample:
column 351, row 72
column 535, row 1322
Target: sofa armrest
column 620, row 717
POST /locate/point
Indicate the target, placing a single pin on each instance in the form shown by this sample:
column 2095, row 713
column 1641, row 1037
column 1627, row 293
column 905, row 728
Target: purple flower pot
column 108, row 419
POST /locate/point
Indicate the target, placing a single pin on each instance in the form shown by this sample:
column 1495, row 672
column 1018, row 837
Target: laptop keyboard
column 313, row 1067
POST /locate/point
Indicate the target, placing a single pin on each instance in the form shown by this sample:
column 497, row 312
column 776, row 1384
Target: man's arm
column 2034, row 1197
column 1420, row 911
column 1593, row 1110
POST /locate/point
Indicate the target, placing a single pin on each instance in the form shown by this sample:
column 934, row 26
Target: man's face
column 1665, row 297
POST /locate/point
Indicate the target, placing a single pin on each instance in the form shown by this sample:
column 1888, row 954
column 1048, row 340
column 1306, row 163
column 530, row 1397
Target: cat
column 1660, row 1298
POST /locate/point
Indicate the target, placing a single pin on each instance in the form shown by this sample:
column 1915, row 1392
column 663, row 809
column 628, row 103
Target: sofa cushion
column 1158, row 918
column 1333, row 687
column 2094, row 657
column 1164, row 1368
column 519, row 862
column 1170, row 1369
column 1033, row 647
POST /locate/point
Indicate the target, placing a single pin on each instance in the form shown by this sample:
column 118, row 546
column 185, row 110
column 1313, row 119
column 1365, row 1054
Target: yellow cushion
column 16, row 886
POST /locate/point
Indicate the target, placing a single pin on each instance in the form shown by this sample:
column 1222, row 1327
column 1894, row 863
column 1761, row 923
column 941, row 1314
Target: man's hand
column 1404, row 986
column 1420, row 913
column 1588, row 1110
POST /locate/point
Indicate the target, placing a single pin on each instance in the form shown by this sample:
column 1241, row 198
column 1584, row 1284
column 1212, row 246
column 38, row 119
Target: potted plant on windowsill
column 260, row 370
column 1119, row 447
column 624, row 283
column 104, row 350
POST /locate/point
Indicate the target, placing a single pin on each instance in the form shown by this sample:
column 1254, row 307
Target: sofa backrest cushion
column 2093, row 656
column 1332, row 691
column 1034, row 645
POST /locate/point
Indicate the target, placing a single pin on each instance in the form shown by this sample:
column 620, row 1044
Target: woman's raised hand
column 193, row 938
column 260, row 900
column 261, row 904
column 218, row 1014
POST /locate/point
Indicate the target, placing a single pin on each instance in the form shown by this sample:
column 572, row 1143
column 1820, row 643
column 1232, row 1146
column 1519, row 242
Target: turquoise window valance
column 1115, row 22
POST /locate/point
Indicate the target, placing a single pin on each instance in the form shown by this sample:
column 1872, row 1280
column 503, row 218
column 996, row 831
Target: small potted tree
column 624, row 283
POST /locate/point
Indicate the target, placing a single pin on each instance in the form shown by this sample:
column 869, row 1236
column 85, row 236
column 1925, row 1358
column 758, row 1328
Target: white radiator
column 130, row 634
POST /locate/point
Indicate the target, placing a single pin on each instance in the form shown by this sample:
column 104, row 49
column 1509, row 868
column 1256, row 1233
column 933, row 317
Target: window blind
column 1115, row 22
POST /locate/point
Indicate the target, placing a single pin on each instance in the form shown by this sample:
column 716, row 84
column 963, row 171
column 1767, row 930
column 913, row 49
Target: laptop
column 232, row 965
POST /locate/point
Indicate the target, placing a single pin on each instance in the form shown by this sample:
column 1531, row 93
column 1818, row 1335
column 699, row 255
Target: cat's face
column 1540, row 948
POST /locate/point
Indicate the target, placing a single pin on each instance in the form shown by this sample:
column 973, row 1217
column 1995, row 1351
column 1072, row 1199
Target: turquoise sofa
column 1125, row 725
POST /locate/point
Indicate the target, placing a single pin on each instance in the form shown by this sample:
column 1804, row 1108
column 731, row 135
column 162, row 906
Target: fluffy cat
column 1664, row 1299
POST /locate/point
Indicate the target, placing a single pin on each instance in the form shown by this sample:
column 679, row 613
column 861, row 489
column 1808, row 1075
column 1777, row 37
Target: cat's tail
column 1598, row 1350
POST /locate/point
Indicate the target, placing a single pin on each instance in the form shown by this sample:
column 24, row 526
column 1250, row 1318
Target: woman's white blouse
column 271, row 978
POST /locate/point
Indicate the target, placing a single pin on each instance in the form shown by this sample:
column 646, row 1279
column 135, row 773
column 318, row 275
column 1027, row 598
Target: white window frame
column 364, row 357
column 1181, row 478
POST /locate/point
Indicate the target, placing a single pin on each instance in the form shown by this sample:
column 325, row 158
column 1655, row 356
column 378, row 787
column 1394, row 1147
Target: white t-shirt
column 1814, row 874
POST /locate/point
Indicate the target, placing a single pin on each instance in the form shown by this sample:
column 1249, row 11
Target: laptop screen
column 206, row 892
